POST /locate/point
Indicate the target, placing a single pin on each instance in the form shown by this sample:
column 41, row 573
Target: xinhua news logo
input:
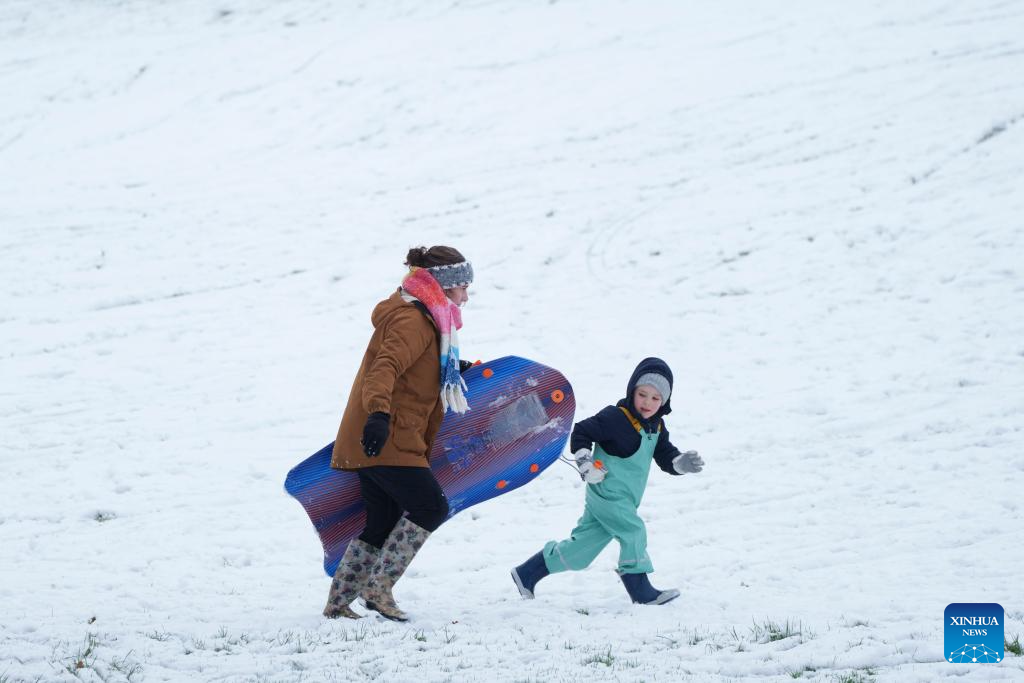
column 974, row 633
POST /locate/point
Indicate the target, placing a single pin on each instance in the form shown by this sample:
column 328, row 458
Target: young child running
column 613, row 451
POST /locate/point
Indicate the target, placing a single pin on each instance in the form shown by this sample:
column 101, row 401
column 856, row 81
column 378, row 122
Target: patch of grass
column 1013, row 645
column 161, row 636
column 672, row 642
column 357, row 634
column 771, row 631
column 583, row 610
column 698, row 637
column 859, row 676
column 606, row 658
column 126, row 668
column 85, row 657
column 799, row 673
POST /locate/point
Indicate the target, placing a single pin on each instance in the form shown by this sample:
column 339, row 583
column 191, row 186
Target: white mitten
column 591, row 471
column 687, row 462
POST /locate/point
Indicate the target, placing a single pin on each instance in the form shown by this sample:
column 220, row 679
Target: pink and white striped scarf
column 421, row 286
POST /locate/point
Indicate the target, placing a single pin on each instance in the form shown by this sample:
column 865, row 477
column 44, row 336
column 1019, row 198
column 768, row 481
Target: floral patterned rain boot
column 350, row 577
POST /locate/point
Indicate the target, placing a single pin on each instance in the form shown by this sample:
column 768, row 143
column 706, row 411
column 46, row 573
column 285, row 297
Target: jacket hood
column 657, row 366
column 391, row 306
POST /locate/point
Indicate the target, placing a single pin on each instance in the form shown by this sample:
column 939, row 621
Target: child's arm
column 671, row 460
column 596, row 428
column 581, row 445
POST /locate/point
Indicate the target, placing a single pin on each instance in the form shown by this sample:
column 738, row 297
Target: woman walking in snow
column 395, row 408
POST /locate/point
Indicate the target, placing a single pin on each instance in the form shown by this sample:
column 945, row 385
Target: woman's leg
column 361, row 555
column 382, row 511
column 415, row 490
column 412, row 489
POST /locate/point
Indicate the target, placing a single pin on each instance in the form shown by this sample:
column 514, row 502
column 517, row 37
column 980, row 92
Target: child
column 628, row 436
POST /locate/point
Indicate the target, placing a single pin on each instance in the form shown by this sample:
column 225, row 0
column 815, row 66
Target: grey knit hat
column 659, row 383
column 453, row 275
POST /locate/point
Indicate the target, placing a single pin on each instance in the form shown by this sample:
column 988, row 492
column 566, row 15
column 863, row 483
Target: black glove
column 375, row 433
column 464, row 365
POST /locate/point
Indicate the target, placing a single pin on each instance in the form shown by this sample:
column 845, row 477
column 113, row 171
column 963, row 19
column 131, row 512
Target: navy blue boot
column 641, row 591
column 529, row 573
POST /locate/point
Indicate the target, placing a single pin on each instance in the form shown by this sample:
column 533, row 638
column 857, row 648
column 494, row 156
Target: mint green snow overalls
column 610, row 512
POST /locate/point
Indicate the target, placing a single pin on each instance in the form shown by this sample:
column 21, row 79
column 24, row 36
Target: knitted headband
column 453, row 275
column 659, row 383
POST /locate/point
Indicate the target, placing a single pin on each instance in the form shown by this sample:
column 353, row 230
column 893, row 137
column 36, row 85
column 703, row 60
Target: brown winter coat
column 400, row 375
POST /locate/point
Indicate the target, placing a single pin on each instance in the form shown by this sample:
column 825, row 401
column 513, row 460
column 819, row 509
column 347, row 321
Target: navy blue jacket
column 616, row 434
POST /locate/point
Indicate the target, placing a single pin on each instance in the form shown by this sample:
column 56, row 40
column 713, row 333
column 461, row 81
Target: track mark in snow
column 177, row 295
column 993, row 132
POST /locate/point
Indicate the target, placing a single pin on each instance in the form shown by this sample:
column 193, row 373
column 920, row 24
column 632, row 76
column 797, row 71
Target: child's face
column 646, row 400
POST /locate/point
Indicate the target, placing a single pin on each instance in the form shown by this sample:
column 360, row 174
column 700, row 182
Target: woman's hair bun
column 416, row 257
column 421, row 257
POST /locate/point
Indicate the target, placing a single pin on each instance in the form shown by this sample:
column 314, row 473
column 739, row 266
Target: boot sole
column 666, row 596
column 523, row 590
column 389, row 617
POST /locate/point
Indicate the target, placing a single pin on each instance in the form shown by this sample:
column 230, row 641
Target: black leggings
column 389, row 491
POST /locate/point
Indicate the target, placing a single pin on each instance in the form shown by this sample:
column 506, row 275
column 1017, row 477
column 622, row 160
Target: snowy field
column 814, row 211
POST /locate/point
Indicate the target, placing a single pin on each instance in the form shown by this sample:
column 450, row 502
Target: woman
column 398, row 399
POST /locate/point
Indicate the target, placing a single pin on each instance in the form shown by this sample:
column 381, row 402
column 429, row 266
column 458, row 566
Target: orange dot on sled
column 598, row 464
column 557, row 396
column 488, row 372
column 502, row 484
column 534, row 467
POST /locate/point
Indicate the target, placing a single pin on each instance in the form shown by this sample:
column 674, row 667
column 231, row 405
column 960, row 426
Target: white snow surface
column 811, row 210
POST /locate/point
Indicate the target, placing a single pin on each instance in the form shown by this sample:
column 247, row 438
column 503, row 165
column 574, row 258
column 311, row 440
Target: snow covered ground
column 812, row 210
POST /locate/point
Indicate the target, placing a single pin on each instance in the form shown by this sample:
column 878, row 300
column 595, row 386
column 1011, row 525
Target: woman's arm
column 405, row 339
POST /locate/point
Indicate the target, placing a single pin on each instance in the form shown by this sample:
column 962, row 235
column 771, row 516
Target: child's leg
column 625, row 525
column 587, row 541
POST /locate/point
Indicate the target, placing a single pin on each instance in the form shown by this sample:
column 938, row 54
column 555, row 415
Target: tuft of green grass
column 605, row 658
column 125, row 667
column 85, row 657
column 1013, row 645
column 860, row 676
column 772, row 631
column 698, row 637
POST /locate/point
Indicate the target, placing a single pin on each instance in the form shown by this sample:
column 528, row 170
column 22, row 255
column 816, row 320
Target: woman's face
column 458, row 295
